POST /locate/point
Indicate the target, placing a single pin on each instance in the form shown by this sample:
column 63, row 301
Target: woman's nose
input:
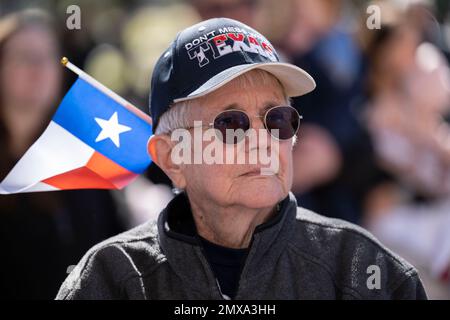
column 257, row 122
column 258, row 136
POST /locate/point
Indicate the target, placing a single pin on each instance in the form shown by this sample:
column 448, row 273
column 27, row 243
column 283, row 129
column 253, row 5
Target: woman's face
column 311, row 20
column 399, row 51
column 30, row 74
column 242, row 184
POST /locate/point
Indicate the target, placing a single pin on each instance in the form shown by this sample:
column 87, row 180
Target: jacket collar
column 183, row 249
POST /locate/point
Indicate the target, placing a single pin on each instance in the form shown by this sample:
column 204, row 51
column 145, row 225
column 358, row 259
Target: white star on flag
column 111, row 129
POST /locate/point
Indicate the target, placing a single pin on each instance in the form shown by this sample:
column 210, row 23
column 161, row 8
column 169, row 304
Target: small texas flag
column 92, row 142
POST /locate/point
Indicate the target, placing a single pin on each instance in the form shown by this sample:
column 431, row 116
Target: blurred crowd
column 373, row 148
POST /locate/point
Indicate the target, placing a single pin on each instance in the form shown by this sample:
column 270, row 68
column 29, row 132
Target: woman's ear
column 160, row 149
column 151, row 149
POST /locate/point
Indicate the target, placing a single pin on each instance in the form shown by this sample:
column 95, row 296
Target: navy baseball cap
column 206, row 56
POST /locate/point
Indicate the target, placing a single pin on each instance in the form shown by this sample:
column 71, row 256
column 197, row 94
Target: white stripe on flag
column 56, row 151
column 41, row 186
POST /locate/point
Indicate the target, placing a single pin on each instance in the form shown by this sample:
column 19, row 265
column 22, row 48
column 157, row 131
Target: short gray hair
column 177, row 115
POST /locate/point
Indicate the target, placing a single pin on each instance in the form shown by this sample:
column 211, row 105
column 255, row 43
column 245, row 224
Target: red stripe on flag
column 110, row 170
column 99, row 173
column 81, row 178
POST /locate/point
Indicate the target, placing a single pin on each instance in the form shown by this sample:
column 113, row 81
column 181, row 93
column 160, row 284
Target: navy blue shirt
column 227, row 264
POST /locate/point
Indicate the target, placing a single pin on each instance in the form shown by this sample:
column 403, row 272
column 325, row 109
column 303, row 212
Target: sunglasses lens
column 232, row 125
column 285, row 119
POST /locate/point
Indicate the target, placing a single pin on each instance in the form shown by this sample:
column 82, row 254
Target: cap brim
column 296, row 81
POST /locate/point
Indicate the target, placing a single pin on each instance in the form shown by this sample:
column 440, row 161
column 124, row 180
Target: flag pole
column 83, row 75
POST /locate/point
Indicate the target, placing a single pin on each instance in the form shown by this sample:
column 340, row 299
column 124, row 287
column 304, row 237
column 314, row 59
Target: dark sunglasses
column 282, row 122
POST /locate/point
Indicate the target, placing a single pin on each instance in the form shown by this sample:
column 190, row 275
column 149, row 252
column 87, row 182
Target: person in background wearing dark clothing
column 319, row 39
column 408, row 102
column 42, row 234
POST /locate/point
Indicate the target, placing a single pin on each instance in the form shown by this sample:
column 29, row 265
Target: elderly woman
column 234, row 231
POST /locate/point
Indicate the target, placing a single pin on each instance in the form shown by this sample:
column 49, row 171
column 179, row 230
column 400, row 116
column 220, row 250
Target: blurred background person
column 408, row 99
column 319, row 36
column 241, row 10
column 43, row 233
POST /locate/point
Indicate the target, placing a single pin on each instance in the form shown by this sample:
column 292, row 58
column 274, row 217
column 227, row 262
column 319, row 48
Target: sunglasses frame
column 211, row 124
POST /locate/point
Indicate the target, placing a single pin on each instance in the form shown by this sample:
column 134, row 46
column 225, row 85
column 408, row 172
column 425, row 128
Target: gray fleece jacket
column 296, row 255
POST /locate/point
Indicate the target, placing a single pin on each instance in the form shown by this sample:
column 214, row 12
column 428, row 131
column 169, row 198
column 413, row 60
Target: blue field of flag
column 82, row 110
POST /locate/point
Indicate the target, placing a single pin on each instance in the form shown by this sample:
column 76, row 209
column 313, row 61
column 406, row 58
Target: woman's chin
column 261, row 194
